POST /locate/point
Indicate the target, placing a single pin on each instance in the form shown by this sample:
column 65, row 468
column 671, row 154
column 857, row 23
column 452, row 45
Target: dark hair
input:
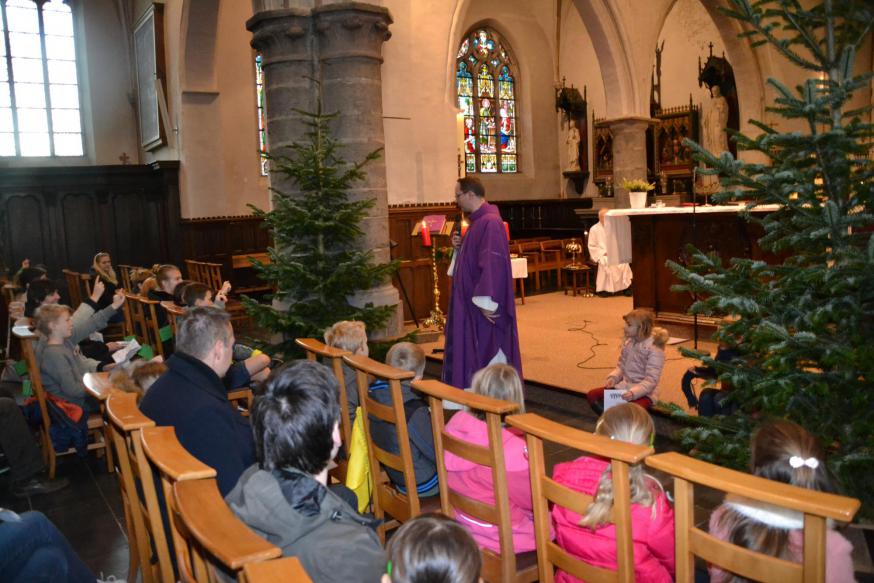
column 198, row 330
column 472, row 184
column 179, row 291
column 192, row 292
column 433, row 548
column 293, row 421
column 38, row 291
column 24, row 277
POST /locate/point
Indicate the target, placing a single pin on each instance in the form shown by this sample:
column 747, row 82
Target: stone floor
column 89, row 512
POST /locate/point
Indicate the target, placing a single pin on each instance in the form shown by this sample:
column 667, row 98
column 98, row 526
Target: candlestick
column 426, row 235
column 436, row 318
column 507, row 230
column 464, row 226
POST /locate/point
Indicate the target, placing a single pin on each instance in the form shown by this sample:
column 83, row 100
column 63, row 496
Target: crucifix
column 124, row 158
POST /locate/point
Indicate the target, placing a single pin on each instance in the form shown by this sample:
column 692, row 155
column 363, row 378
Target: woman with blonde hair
column 783, row 452
column 640, row 363
column 102, row 270
column 592, row 537
column 498, row 381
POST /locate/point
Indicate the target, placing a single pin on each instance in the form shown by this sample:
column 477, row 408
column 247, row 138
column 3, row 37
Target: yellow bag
column 358, row 470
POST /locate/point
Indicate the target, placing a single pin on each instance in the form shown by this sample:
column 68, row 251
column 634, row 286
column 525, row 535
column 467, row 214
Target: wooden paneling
column 61, row 217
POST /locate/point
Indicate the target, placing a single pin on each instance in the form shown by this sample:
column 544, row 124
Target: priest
column 612, row 279
column 481, row 326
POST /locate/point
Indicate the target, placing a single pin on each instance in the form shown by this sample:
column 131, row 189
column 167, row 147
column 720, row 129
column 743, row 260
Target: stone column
column 349, row 37
column 629, row 153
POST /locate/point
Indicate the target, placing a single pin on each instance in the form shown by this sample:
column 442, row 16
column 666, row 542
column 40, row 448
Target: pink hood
column 653, row 535
column 475, row 481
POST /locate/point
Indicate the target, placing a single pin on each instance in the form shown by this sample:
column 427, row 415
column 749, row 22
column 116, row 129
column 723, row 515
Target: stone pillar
column 629, row 153
column 341, row 45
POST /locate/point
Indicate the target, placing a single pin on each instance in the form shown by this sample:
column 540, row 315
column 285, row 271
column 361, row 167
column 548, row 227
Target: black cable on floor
column 581, row 364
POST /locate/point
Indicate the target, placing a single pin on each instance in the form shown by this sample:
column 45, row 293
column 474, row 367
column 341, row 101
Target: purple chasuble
column 482, row 268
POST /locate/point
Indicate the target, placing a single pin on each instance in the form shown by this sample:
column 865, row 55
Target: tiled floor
column 90, row 514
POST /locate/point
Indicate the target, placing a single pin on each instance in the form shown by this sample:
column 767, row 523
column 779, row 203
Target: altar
column 647, row 238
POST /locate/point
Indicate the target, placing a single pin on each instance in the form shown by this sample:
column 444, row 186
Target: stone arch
column 199, row 32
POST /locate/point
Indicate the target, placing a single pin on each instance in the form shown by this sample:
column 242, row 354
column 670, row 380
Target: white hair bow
column 797, row 461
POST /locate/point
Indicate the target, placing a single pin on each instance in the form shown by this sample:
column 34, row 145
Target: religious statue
column 573, row 147
column 715, row 138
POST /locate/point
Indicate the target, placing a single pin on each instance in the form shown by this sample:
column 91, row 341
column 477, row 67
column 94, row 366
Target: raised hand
column 97, row 290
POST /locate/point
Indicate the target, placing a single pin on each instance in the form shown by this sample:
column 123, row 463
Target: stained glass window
column 486, row 90
column 262, row 125
column 39, row 83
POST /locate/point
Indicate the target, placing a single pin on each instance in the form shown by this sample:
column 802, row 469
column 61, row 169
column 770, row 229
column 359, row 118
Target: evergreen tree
column 315, row 262
column 805, row 331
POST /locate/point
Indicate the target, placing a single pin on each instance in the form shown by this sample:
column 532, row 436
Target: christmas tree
column 316, row 263
column 804, row 327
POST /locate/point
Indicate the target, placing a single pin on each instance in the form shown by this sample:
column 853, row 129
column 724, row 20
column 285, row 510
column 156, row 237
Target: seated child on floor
column 432, row 548
column 783, row 452
column 350, row 336
column 410, row 357
column 249, row 365
column 498, row 381
column 592, row 537
column 640, row 363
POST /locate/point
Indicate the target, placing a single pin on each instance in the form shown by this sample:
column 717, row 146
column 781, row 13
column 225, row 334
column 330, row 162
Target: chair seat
column 431, row 504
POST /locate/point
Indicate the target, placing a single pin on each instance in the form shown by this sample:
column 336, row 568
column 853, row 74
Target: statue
column 715, row 138
column 573, row 147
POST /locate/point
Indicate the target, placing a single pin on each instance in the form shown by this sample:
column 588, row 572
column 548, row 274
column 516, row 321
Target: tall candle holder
column 436, row 318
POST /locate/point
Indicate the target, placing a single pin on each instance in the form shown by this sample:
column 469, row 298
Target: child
column 138, row 375
column 352, row 337
column 197, row 294
column 591, row 537
column 783, row 452
column 407, row 356
column 499, row 381
column 640, row 364
column 61, row 364
column 432, row 548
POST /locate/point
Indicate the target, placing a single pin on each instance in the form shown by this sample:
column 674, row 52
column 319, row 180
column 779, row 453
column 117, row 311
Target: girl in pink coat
column 499, row 381
column 591, row 537
column 783, row 452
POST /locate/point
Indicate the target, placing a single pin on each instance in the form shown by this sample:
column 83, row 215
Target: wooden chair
column 506, row 566
column 531, row 251
column 192, row 267
column 817, row 507
column 150, row 314
column 136, row 314
column 242, row 262
column 127, row 422
column 387, row 499
column 213, row 538
column 173, row 312
column 98, row 386
column 328, row 354
column 545, row 490
column 74, row 287
column 552, row 257
column 160, row 453
column 284, row 569
column 95, row 420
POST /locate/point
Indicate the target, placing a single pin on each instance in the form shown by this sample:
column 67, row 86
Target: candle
column 426, row 235
column 463, row 228
column 507, row 230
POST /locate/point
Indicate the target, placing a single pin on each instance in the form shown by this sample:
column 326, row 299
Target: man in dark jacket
column 284, row 497
column 191, row 397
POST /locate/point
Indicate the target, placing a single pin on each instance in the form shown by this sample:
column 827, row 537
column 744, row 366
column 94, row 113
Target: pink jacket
column 475, row 481
column 653, row 535
column 640, row 368
column 838, row 550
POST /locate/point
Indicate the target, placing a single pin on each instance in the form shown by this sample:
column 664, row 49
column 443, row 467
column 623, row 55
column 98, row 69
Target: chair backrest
column 212, row 275
column 134, row 310
column 284, row 569
column 173, row 312
column 214, row 538
column 163, row 455
column 74, row 287
column 27, row 338
column 531, row 248
column 386, row 498
column 817, row 508
column 124, row 272
column 545, row 490
column 316, row 349
column 150, row 314
column 496, row 567
column 127, row 422
column 553, row 245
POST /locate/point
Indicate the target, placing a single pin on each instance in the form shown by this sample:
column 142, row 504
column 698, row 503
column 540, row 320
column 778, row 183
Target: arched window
column 262, row 124
column 39, row 85
column 486, row 88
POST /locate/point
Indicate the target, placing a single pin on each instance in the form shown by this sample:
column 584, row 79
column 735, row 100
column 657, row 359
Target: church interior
column 158, row 131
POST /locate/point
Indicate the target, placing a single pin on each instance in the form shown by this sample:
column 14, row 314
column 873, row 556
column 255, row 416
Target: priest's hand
column 490, row 315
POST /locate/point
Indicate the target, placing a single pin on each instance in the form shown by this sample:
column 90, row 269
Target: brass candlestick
column 436, row 318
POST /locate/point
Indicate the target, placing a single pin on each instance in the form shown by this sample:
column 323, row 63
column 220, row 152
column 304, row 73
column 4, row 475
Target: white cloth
column 618, row 237
column 611, row 278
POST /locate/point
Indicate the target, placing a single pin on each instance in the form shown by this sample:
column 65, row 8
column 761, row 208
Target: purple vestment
column 482, row 268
